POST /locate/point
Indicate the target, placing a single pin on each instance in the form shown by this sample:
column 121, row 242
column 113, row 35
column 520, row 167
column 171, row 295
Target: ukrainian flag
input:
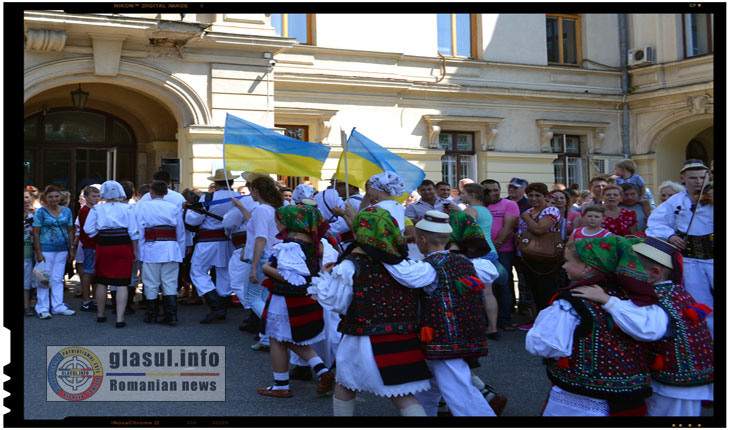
column 252, row 148
column 366, row 158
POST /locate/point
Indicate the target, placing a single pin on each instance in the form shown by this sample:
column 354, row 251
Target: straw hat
column 221, row 176
column 693, row 164
column 252, row 176
column 435, row 221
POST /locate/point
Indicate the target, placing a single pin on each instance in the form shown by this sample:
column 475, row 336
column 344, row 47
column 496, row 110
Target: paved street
column 508, row 368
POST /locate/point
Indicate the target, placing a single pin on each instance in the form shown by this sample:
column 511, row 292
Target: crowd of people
column 401, row 299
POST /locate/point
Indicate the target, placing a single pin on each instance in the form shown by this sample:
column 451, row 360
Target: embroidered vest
column 286, row 289
column 380, row 305
column 606, row 363
column 686, row 358
column 454, row 311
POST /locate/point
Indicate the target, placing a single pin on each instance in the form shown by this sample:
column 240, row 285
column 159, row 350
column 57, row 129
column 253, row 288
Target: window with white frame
column 568, row 167
column 459, row 160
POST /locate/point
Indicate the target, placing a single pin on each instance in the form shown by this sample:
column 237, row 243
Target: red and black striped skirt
column 114, row 258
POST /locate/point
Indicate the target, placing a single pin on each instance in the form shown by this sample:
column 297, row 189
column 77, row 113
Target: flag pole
column 343, row 137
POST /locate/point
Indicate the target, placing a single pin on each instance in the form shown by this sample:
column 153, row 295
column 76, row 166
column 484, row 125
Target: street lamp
column 78, row 98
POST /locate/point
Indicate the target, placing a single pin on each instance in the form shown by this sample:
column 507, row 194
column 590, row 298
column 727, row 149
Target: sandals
column 260, row 347
column 508, row 327
column 274, row 393
column 28, row 312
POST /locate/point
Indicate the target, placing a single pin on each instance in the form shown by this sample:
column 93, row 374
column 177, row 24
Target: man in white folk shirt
column 331, row 204
column 214, row 248
column 671, row 221
column 161, row 247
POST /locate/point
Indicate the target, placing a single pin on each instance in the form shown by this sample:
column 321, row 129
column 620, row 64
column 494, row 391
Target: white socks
column 413, row 411
column 317, row 365
column 281, row 381
column 477, row 382
column 343, row 408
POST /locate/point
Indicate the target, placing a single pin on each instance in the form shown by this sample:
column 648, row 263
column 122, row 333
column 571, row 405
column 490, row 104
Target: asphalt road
column 508, row 368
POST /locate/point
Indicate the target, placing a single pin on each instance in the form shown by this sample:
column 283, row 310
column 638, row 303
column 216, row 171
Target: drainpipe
column 624, row 47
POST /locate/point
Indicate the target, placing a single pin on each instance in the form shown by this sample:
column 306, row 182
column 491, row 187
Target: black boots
column 252, row 324
column 170, row 309
column 217, row 307
column 150, row 315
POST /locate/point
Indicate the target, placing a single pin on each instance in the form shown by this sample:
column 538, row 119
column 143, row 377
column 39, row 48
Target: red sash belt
column 238, row 239
column 159, row 233
column 212, row 235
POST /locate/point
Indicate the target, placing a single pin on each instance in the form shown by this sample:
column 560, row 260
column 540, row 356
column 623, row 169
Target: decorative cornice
column 597, row 131
column 45, row 40
column 487, row 125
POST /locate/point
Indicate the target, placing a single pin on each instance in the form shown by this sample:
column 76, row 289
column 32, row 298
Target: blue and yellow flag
column 366, row 158
column 253, row 148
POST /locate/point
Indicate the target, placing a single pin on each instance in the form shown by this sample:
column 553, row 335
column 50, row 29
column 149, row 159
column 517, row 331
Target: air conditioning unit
column 641, row 56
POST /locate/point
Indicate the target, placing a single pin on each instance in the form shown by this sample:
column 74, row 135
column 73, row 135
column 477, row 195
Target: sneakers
column 89, row 306
column 44, row 315
column 526, row 326
column 67, row 311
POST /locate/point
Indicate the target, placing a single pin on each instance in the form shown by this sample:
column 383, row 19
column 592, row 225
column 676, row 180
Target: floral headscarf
column 468, row 235
column 614, row 257
column 388, row 182
column 379, row 236
column 303, row 219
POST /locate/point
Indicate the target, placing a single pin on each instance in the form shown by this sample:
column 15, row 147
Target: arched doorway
column 689, row 140
column 73, row 148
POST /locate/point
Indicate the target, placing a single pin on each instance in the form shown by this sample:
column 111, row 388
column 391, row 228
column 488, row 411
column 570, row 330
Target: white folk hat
column 435, row 221
column 657, row 250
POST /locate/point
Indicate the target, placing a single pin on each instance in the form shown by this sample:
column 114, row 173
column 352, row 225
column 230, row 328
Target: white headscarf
column 388, row 182
column 112, row 190
column 302, row 191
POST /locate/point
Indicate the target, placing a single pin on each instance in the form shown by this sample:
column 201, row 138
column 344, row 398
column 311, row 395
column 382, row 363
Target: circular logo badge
column 75, row 373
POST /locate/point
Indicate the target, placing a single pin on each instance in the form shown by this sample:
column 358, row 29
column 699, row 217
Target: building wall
column 388, row 83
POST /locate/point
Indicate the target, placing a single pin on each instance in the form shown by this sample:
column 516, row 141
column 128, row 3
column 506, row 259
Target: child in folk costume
column 379, row 351
column 453, row 319
column 596, row 367
column 114, row 225
column 161, row 247
column 681, row 360
column 291, row 319
column 467, row 238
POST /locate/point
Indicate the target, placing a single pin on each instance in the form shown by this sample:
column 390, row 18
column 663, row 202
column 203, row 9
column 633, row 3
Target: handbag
column 544, row 248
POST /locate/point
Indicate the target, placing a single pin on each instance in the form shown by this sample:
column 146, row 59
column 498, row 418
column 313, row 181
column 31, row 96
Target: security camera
column 272, row 63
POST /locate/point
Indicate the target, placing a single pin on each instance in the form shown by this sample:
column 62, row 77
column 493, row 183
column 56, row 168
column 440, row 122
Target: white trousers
column 53, row 296
column 699, row 279
column 28, row 273
column 452, row 380
column 204, row 283
column 238, row 274
column 155, row 275
column 662, row 406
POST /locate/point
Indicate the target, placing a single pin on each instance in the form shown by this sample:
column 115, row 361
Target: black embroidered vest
column 606, row 363
column 380, row 305
column 686, row 358
column 286, row 289
column 454, row 311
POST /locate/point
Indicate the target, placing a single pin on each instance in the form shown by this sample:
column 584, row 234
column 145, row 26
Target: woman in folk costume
column 596, row 367
column 380, row 190
column 379, row 351
column 291, row 319
column 116, row 246
column 680, row 358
